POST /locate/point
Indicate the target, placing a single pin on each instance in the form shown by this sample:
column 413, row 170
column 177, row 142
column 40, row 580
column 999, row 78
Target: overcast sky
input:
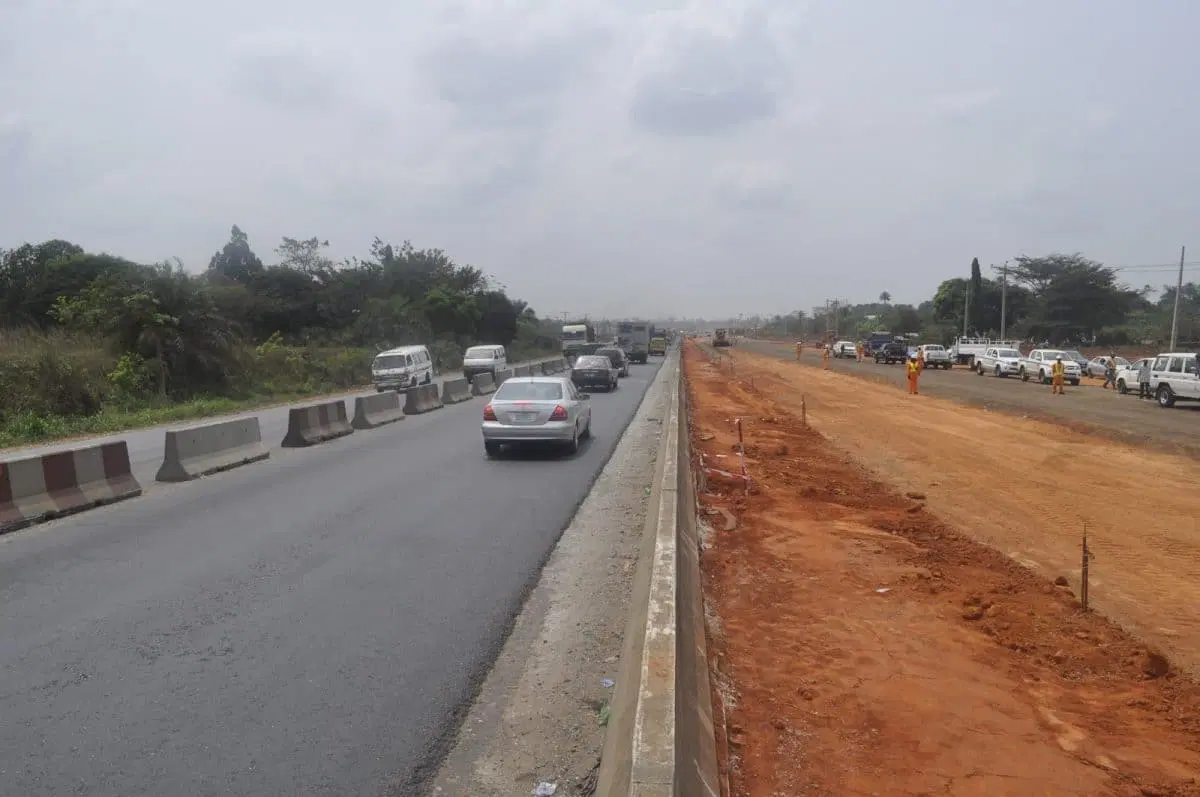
column 613, row 156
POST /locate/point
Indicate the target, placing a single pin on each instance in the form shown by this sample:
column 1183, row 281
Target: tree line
column 1056, row 298
column 190, row 332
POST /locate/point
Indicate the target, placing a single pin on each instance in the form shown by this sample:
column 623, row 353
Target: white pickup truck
column 966, row 351
column 1001, row 362
column 936, row 356
column 1039, row 362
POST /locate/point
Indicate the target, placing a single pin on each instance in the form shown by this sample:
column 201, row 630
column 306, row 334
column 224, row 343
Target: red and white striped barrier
column 37, row 489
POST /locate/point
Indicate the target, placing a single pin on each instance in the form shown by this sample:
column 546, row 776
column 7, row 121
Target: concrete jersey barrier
column 316, row 423
column 200, row 450
column 423, row 398
column 371, row 412
column 522, row 370
column 483, row 384
column 41, row 488
column 455, row 391
column 660, row 740
column 503, row 376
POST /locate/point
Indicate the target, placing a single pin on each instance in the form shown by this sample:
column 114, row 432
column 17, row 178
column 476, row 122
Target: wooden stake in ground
column 803, row 410
column 1083, row 586
column 742, row 454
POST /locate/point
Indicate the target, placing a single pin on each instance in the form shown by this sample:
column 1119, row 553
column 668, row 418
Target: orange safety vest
column 913, row 368
column 1058, row 369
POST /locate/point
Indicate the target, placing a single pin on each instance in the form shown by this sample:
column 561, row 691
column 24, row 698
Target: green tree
column 236, row 261
column 977, row 299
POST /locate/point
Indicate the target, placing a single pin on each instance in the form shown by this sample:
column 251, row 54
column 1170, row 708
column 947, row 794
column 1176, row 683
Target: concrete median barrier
column 420, row 399
column 455, row 391
column 503, row 376
column 660, row 740
column 37, row 489
column 371, row 412
column 483, row 385
column 522, row 370
column 200, row 450
column 316, row 423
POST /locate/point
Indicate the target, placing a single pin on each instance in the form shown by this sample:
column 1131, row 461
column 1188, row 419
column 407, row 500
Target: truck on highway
column 721, row 338
column 965, row 351
column 625, row 337
column 576, row 337
column 658, row 346
column 639, row 346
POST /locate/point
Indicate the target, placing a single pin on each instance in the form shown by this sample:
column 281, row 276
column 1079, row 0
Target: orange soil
column 863, row 647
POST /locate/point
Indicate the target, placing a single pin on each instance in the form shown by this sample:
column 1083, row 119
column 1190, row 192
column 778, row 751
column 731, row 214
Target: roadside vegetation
column 1060, row 298
column 93, row 343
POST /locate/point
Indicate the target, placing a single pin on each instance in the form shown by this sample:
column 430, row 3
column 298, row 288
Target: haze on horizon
column 617, row 158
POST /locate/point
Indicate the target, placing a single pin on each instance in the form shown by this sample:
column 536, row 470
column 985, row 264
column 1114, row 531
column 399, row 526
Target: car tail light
column 559, row 414
column 489, row 414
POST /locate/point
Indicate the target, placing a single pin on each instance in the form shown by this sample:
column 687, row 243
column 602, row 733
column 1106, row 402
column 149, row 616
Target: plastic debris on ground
column 545, row 789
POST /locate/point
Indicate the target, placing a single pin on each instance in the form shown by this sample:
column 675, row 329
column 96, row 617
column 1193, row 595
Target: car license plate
column 523, row 417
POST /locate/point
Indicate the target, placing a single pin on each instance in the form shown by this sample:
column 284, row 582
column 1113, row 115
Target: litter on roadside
column 545, row 789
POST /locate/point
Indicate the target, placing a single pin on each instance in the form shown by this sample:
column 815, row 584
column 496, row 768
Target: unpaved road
column 1122, row 418
column 866, row 647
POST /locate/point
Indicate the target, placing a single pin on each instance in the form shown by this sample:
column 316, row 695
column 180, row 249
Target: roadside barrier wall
column 483, row 385
column 503, row 376
column 522, row 370
column 316, row 423
column 455, row 391
column 420, row 399
column 371, row 412
column 209, row 448
column 37, row 489
column 660, row 740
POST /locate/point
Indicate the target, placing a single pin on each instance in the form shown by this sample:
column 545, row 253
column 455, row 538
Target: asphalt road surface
column 1123, row 418
column 146, row 445
column 309, row 625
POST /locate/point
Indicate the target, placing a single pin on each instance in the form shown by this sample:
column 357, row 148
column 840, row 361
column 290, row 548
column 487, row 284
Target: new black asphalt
column 310, row 625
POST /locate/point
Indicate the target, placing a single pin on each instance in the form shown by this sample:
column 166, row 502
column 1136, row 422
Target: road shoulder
column 540, row 715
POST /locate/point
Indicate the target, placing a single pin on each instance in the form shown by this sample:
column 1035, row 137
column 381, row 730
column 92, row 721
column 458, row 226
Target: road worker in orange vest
column 799, row 348
column 858, row 351
column 914, row 374
column 825, row 356
column 1058, row 373
column 921, row 360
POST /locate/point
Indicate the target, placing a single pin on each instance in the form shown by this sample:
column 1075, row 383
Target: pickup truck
column 720, row 338
column 1001, row 362
column 894, row 352
column 1039, row 362
column 936, row 356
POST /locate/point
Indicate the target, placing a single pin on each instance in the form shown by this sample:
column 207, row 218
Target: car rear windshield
column 478, row 353
column 529, row 391
column 1008, row 353
column 389, row 361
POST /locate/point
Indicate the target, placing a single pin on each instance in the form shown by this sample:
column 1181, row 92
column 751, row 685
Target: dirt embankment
column 864, row 647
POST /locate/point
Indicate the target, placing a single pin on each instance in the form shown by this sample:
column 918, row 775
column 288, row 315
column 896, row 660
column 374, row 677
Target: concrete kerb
column 210, row 448
column 371, row 412
column 455, row 391
column 660, row 738
column 421, row 399
column 316, row 423
column 483, row 385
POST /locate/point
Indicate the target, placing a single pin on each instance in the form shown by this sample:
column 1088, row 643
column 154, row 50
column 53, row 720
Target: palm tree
column 885, row 297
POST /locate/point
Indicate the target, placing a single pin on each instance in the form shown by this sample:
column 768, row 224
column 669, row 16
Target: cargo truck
column 576, row 338
column 658, row 346
column 639, row 346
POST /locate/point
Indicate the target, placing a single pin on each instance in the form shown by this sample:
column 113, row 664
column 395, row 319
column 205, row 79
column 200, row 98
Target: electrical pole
column 967, row 309
column 1003, row 299
column 1178, row 290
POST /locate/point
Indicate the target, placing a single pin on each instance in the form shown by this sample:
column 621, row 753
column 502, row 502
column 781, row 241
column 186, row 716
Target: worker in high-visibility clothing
column 1058, row 373
column 858, row 351
column 825, row 357
column 799, row 349
column 914, row 374
column 921, row 360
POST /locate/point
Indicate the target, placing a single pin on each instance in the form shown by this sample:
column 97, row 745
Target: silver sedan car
column 536, row 409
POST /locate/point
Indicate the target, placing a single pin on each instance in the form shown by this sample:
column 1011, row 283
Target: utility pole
column 967, row 309
column 1178, row 290
column 1003, row 299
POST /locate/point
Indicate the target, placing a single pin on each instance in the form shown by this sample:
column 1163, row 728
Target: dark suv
column 594, row 371
column 894, row 352
column 616, row 357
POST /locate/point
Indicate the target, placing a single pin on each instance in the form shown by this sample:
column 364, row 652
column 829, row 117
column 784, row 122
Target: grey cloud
column 712, row 84
column 289, row 81
column 499, row 85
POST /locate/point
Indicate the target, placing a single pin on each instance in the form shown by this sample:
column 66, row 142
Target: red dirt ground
column 862, row 647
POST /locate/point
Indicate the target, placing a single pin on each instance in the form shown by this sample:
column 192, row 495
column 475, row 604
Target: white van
column 404, row 367
column 484, row 360
column 1174, row 376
